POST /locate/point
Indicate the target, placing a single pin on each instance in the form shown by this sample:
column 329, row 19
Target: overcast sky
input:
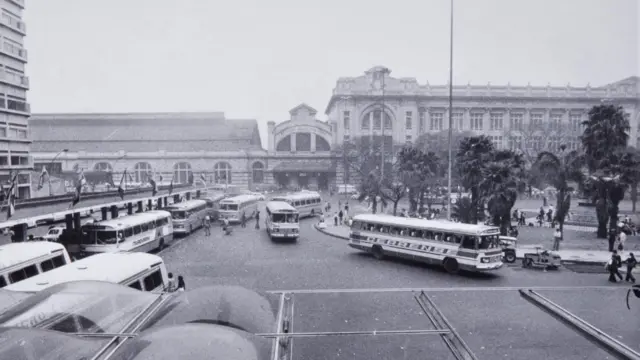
column 258, row 59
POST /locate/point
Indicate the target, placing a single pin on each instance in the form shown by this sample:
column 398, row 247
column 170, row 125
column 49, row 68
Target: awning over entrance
column 305, row 166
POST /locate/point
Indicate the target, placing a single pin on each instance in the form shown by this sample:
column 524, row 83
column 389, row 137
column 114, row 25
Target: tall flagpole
column 450, row 114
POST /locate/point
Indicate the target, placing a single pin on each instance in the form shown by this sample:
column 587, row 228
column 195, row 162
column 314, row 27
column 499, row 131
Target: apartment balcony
column 20, row 107
column 16, row 25
column 15, row 79
column 17, row 163
column 14, row 51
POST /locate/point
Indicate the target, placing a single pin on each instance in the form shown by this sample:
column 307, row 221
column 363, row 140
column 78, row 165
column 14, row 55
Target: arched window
column 284, row 144
column 258, row 172
column 375, row 117
column 142, row 170
column 322, row 144
column 181, row 173
column 222, row 173
column 103, row 166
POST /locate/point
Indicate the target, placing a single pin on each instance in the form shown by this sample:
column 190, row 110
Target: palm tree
column 605, row 136
column 559, row 171
column 465, row 211
column 474, row 152
column 503, row 177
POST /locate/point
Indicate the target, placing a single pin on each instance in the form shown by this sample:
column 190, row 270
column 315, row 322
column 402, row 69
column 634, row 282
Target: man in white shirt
column 557, row 237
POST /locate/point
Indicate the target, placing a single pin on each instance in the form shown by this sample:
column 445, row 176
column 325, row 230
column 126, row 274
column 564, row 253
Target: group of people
column 615, row 263
column 176, row 286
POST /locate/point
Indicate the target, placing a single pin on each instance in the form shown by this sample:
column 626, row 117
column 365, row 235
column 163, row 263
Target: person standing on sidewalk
column 340, row 216
column 206, row 223
column 557, row 238
column 257, row 219
column 631, row 264
column 243, row 220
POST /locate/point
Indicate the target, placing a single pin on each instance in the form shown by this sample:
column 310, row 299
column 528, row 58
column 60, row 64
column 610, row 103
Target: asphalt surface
column 495, row 324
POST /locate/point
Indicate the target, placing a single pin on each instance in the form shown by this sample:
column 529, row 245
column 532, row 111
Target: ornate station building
column 303, row 151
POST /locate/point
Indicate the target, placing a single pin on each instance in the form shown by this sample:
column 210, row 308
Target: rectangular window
column 423, row 121
column 457, row 121
column 535, row 120
column 476, row 122
column 497, row 141
column 516, row 121
column 555, row 120
column 574, row 122
column 153, row 281
column 495, row 121
column 408, row 120
column 377, row 120
column 346, row 119
column 515, row 142
column 436, row 121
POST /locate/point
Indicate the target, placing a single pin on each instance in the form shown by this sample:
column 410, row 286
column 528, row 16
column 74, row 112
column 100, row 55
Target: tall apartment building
column 14, row 109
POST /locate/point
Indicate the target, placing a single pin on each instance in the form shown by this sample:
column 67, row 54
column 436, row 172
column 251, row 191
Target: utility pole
column 384, row 72
column 450, row 115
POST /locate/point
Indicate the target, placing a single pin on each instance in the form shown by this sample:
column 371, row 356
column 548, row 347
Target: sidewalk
column 588, row 257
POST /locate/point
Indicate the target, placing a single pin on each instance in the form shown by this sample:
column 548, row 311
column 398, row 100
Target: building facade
column 300, row 152
column 174, row 146
column 528, row 118
column 15, row 139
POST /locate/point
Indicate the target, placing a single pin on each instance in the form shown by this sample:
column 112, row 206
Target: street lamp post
column 51, row 167
column 384, row 72
column 450, row 115
column 344, row 149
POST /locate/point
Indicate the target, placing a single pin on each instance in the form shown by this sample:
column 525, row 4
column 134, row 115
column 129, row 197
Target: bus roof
column 214, row 196
column 240, row 198
column 186, row 205
column 132, row 219
column 280, row 206
column 299, row 196
column 110, row 267
column 17, row 253
column 467, row 229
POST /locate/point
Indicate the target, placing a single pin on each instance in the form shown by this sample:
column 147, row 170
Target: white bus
column 20, row 261
column 213, row 204
column 187, row 215
column 282, row 221
column 455, row 246
column 308, row 203
column 233, row 208
column 137, row 270
column 140, row 232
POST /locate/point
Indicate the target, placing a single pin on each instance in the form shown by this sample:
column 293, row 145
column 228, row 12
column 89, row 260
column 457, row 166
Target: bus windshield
column 284, row 218
column 178, row 215
column 229, row 207
column 106, row 237
column 488, row 242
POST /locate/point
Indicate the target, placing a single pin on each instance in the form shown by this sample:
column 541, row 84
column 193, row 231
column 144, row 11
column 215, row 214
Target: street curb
column 329, row 233
column 571, row 262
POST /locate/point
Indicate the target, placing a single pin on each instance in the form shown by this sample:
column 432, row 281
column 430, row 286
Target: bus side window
column 24, row 273
column 59, row 261
column 468, row 242
column 46, row 265
column 3, row 282
column 136, row 285
column 153, row 281
column 128, row 232
column 136, row 230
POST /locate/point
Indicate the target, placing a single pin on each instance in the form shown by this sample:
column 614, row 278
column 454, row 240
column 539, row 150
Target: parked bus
column 213, row 204
column 141, row 232
column 187, row 215
column 233, row 208
column 137, row 270
column 282, row 221
column 455, row 246
column 21, row 261
column 308, row 203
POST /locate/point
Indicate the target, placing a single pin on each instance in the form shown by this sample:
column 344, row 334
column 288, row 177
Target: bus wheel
column 451, row 265
column 510, row 256
column 377, row 252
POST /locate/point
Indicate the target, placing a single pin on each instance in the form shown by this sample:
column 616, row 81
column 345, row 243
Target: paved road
column 494, row 324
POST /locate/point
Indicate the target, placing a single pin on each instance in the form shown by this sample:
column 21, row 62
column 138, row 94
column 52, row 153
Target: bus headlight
column 485, row 260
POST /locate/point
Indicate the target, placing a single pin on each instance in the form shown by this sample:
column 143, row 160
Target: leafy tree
column 560, row 170
column 418, row 170
column 394, row 191
column 472, row 156
column 610, row 165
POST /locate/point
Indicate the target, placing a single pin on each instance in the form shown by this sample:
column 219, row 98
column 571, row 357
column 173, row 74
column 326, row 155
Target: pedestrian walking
column 631, row 264
column 522, row 219
column 335, row 219
column 622, row 238
column 206, row 223
column 181, row 285
column 557, row 237
column 243, row 220
column 340, row 216
column 257, row 219
column 614, row 267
